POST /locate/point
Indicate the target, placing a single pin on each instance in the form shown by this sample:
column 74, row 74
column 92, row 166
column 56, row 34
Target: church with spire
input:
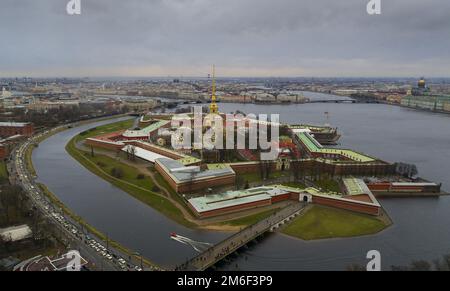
column 213, row 107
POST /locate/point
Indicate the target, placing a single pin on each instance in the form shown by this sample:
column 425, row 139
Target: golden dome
column 422, row 83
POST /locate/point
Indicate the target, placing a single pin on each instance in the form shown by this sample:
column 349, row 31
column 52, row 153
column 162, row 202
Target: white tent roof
column 144, row 154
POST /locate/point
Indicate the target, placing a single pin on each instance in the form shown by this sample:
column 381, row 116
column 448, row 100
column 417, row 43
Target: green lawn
column 322, row 222
column 130, row 174
column 107, row 128
column 3, row 172
column 138, row 188
column 328, row 185
column 256, row 177
column 251, row 219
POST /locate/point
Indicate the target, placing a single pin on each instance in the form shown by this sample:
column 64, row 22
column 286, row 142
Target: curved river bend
column 109, row 209
column 420, row 229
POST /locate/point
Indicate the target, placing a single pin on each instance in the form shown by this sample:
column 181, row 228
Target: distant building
column 15, row 233
column 8, row 143
column 6, row 94
column 8, row 129
column 421, row 98
column 140, row 104
column 46, row 106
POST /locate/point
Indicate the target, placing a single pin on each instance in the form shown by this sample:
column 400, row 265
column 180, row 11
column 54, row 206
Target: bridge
column 333, row 101
column 218, row 252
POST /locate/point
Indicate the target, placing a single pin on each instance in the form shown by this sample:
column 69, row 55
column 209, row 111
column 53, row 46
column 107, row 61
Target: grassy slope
column 3, row 172
column 323, row 222
column 137, row 188
column 328, row 185
column 107, row 128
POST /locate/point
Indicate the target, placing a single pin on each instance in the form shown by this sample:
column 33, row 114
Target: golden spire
column 213, row 108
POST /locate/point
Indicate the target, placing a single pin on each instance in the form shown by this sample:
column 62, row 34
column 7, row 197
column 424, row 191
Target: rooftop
column 233, row 198
column 147, row 130
column 316, row 147
column 15, row 233
column 14, row 124
column 180, row 176
column 355, row 186
column 143, row 153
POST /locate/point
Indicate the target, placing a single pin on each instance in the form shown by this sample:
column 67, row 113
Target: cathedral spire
column 213, row 108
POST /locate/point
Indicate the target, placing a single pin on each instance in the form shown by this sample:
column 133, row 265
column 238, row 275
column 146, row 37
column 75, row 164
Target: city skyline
column 243, row 38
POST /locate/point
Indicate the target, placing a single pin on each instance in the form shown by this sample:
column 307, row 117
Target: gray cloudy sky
column 242, row 37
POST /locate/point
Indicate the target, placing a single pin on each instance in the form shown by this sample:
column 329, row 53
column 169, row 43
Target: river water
column 420, row 229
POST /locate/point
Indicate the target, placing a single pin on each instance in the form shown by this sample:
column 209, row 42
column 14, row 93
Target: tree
column 406, row 170
column 131, row 152
column 420, row 266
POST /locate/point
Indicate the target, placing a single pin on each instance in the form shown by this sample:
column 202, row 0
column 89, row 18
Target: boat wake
column 196, row 245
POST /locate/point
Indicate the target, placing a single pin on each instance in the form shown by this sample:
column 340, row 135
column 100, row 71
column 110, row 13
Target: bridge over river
column 228, row 246
column 333, row 101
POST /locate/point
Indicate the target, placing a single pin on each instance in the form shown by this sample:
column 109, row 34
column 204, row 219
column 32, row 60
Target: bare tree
column 131, row 152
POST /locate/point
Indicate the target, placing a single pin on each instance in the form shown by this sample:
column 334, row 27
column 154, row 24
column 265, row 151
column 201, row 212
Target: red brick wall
column 157, row 150
column 231, row 208
column 186, row 187
column 279, row 198
column 353, row 206
column 166, row 177
column 104, row 145
column 3, row 151
column 245, row 168
column 379, row 186
column 7, row 131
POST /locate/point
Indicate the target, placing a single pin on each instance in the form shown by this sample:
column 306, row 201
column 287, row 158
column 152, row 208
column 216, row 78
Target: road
column 74, row 234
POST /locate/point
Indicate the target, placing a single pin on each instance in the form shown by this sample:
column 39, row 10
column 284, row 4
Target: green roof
column 147, row 130
column 217, row 166
column 315, row 147
column 189, row 160
column 154, row 126
column 354, row 186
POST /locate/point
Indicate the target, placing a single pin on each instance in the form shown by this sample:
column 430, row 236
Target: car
column 121, row 261
column 137, row 268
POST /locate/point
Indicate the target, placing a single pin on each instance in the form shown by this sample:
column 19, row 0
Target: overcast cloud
column 242, row 37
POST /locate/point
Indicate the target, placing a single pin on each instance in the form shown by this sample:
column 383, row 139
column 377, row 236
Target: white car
column 122, row 261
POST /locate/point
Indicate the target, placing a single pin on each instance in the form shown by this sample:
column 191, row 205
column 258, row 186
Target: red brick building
column 8, row 129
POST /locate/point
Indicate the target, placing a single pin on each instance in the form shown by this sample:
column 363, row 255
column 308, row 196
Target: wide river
column 421, row 226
